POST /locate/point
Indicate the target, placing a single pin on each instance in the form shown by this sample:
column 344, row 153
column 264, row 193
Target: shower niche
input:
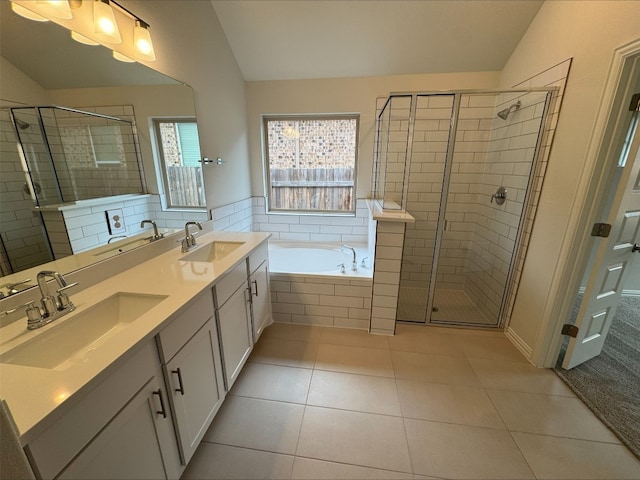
column 466, row 167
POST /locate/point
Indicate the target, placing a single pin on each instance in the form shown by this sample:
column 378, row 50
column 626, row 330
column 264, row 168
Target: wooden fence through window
column 186, row 188
column 329, row 189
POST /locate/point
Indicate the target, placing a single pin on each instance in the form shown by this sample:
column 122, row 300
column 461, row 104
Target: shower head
column 21, row 124
column 504, row 114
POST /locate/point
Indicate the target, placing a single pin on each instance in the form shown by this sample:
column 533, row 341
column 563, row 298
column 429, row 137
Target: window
column 179, row 152
column 311, row 163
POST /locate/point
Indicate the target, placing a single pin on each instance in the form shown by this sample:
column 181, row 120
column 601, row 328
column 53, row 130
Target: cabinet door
column 196, row 389
column 131, row 445
column 260, row 300
column 236, row 338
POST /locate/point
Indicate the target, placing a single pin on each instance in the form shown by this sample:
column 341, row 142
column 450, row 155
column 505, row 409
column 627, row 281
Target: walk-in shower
column 463, row 165
column 52, row 156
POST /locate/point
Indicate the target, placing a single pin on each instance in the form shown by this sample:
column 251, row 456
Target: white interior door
column 610, row 267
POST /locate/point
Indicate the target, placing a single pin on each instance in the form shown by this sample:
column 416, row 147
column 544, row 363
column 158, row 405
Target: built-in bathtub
column 308, row 285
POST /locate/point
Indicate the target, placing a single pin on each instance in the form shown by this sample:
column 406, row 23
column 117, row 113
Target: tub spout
column 354, row 261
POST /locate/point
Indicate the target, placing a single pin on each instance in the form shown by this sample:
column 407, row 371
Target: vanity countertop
column 35, row 394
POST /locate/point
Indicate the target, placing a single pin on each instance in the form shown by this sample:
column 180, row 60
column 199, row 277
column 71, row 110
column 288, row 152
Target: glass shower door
column 485, row 192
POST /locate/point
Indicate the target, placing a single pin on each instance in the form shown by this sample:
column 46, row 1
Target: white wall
column 340, row 95
column 191, row 47
column 588, row 31
column 17, row 89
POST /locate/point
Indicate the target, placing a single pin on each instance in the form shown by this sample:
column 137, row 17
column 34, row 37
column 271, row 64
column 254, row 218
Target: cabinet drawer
column 172, row 337
column 56, row 446
column 258, row 256
column 230, row 283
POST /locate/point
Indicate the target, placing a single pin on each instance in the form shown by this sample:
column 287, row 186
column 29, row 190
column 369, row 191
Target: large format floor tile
column 328, row 403
column 273, row 382
column 310, row 469
column 447, row 403
column 519, row 377
column 558, row 458
column 358, row 360
column 549, row 415
column 257, row 424
column 216, row 461
column 419, row 367
column 363, row 393
column 352, row 437
column 284, row 352
column 460, row 451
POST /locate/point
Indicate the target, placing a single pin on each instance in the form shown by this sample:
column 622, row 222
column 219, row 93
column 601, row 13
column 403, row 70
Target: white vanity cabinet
column 233, row 315
column 121, row 428
column 189, row 350
column 258, row 267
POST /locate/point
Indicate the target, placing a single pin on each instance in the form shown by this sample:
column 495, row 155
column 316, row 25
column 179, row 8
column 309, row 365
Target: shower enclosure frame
column 520, row 246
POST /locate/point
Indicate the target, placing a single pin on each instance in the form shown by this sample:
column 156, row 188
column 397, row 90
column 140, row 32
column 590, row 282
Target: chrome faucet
column 189, row 241
column 53, row 306
column 354, row 261
column 156, row 235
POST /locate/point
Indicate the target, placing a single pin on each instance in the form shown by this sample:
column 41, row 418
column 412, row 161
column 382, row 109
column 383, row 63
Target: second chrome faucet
column 189, row 241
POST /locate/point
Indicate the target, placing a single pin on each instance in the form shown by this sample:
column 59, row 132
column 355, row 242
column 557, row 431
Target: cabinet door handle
column 162, row 410
column 255, row 282
column 181, row 388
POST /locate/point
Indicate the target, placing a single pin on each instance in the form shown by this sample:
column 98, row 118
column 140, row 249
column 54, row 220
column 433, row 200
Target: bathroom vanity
column 127, row 385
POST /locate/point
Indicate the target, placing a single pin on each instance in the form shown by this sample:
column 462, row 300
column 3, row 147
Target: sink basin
column 212, row 252
column 71, row 340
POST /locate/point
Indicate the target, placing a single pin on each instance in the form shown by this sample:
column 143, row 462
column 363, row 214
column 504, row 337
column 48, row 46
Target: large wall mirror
column 41, row 67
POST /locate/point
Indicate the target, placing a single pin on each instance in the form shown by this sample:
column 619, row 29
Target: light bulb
column 82, row 39
column 122, row 58
column 142, row 41
column 104, row 22
column 26, row 13
column 55, row 8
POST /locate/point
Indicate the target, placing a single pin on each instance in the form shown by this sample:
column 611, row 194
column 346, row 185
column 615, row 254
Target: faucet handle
column 64, row 302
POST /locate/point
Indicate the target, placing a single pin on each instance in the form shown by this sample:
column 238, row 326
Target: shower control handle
column 500, row 196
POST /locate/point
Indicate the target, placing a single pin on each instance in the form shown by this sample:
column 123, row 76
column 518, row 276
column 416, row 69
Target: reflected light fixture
column 26, row 13
column 82, row 39
column 55, row 8
column 104, row 22
column 122, row 58
column 142, row 41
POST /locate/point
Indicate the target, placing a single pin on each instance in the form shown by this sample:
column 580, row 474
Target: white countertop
column 34, row 394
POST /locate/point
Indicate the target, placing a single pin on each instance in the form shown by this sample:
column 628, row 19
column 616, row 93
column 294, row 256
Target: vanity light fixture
column 122, row 58
column 82, row 39
column 56, row 8
column 26, row 13
column 142, row 41
column 104, row 22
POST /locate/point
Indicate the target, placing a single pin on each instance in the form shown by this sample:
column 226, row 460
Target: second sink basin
column 74, row 337
column 212, row 252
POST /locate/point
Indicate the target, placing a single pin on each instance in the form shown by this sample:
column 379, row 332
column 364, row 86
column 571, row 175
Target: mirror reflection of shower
column 75, row 155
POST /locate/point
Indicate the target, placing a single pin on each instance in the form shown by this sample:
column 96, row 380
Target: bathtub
column 309, row 287
column 317, row 258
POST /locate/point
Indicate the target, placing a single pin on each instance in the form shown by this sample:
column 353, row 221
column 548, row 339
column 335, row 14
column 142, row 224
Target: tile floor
column 322, row 403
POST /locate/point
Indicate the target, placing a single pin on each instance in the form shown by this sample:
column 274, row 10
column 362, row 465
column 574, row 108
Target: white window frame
column 267, row 169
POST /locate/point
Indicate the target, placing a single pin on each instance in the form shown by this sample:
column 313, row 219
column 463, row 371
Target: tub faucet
column 156, row 235
column 189, row 241
column 354, row 261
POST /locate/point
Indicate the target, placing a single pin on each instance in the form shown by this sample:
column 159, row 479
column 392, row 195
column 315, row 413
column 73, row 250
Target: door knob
column 636, row 248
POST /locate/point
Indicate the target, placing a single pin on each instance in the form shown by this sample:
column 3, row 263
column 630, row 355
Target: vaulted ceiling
column 294, row 39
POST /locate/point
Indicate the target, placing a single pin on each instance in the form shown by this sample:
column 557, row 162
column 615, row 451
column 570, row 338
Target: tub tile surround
column 331, row 422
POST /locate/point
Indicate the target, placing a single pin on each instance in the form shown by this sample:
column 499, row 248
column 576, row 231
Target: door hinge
column 571, row 330
column 634, row 106
column 601, row 230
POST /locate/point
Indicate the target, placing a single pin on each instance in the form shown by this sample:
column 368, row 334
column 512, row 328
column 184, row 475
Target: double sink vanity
column 126, row 385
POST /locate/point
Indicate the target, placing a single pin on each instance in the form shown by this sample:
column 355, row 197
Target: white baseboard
column 520, row 344
column 627, row 293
